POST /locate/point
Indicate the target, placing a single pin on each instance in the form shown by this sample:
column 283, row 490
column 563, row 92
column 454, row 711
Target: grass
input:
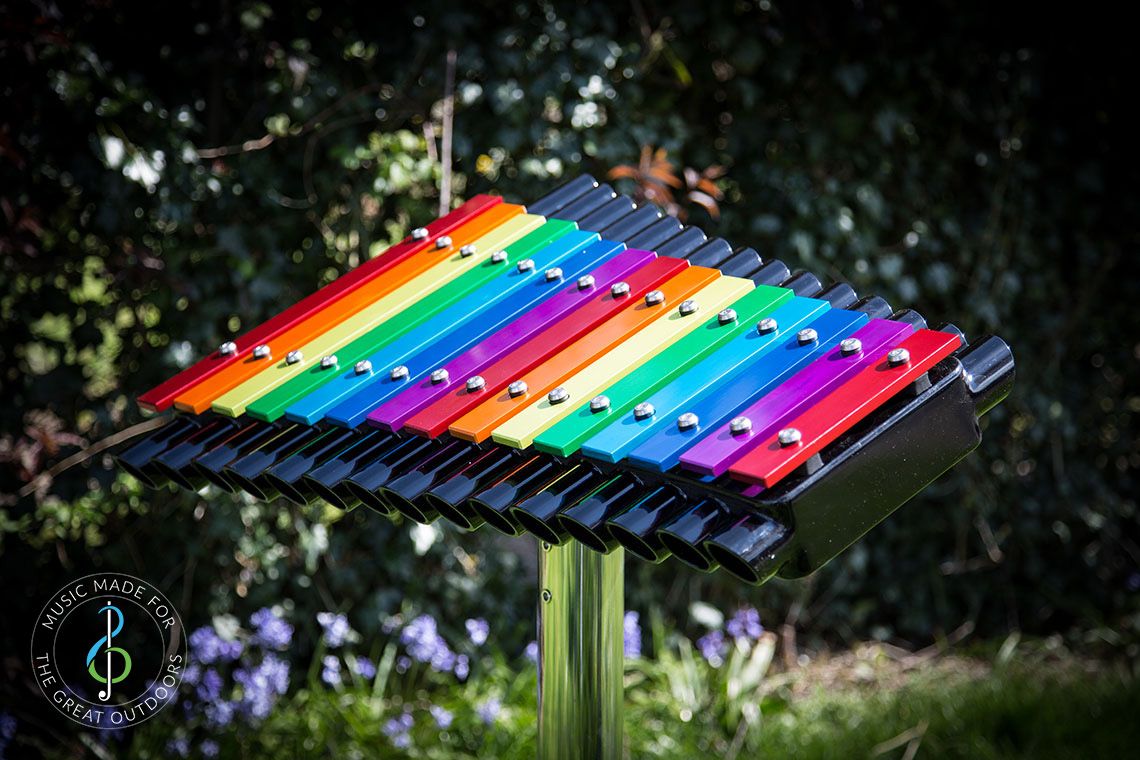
column 1036, row 701
column 957, row 708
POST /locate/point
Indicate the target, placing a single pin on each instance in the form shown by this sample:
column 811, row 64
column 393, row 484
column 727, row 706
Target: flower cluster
column 336, row 629
column 745, row 624
column 235, row 676
column 478, row 629
column 743, row 628
column 442, row 715
column 270, row 630
column 488, row 710
column 261, row 685
column 398, row 730
column 423, row 643
column 363, row 667
column 208, row 647
column 330, row 670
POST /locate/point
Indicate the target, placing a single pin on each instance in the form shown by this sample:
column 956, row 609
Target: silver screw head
column 585, row 282
column 789, row 437
column 517, row 388
column 261, row 352
column 726, row 316
column 740, row 425
column 849, row 346
column 443, row 241
column 619, row 289
column 475, row 383
column 687, row 421
column 554, row 273
column 558, row 395
column 229, row 348
column 498, row 257
column 806, row 336
column 643, row 411
column 468, row 250
column 766, row 326
column 399, row 373
column 328, row 361
column 688, row 307
column 599, row 404
column 654, row 297
column 419, row 233
column 439, row 376
column 898, row 357
column 526, row 265
column 363, row 367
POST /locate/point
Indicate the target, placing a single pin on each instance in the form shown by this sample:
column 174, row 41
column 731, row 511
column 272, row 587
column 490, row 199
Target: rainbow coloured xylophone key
column 582, row 368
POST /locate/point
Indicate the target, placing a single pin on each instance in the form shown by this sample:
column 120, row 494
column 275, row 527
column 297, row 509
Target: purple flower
column 532, row 652
column 330, row 670
column 424, row 644
column 488, row 710
column 208, row 647
column 179, row 746
column 478, row 629
column 208, row 748
column 270, row 631
column 421, row 637
column 398, row 730
column 219, row 714
column 211, row 686
column 442, row 716
column 443, row 659
column 364, row 667
column 632, row 634
column 192, row 674
column 462, row 667
column 745, row 624
column 711, row 647
column 336, row 628
column 262, row 685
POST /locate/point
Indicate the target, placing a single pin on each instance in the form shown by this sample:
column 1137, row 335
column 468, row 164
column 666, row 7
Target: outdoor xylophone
column 582, row 368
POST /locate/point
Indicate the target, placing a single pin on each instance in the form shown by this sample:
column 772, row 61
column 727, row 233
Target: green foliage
column 172, row 174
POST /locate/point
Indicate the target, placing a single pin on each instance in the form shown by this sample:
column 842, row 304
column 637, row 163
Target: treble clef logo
column 108, row 676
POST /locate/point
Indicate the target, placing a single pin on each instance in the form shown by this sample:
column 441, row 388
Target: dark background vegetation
column 173, row 173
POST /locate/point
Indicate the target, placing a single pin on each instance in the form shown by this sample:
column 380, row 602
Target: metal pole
column 580, row 665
